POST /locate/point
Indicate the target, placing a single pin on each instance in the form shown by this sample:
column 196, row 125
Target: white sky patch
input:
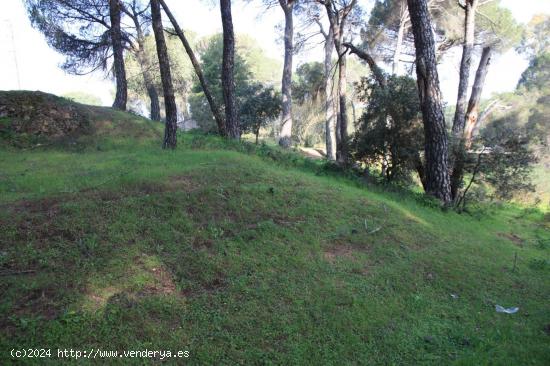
column 38, row 64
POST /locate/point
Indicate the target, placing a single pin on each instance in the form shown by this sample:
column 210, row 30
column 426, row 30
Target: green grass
column 245, row 258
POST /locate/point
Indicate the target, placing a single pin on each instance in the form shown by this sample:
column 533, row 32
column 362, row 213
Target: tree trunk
column 228, row 65
column 118, row 55
column 458, row 153
column 285, row 138
column 465, row 65
column 400, row 36
column 145, row 71
column 337, row 20
column 377, row 72
column 170, row 139
column 330, row 137
column 342, row 121
column 436, row 149
column 330, row 112
column 198, row 71
column 473, row 106
column 154, row 101
column 143, row 61
column 471, row 121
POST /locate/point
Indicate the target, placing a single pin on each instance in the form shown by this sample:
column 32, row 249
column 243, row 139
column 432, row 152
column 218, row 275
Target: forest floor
column 240, row 259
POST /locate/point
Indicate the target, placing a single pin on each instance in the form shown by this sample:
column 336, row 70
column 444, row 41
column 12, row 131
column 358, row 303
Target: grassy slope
column 240, row 260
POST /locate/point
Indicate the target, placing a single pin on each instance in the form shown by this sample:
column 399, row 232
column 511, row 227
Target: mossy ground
column 241, row 259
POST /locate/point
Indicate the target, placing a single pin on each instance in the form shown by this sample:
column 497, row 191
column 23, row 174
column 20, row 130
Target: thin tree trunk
column 399, row 41
column 473, row 106
column 465, row 65
column 458, row 151
column 147, row 78
column 170, row 139
column 342, row 152
column 484, row 115
column 154, row 100
column 337, row 20
column 330, row 112
column 377, row 72
column 228, row 65
column 198, row 71
column 471, row 121
column 436, row 148
column 285, row 138
column 118, row 55
column 143, row 61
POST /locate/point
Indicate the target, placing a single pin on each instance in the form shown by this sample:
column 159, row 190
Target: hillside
column 30, row 119
column 225, row 251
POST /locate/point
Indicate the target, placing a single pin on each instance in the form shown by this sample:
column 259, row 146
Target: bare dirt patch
column 337, row 251
column 185, row 183
column 41, row 302
column 163, row 285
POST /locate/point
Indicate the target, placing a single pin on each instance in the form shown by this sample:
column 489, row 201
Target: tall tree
column 286, row 84
column 472, row 112
column 330, row 108
column 121, row 95
column 388, row 23
column 458, row 154
column 87, row 32
column 228, row 63
column 436, row 146
column 338, row 12
column 198, row 71
column 138, row 15
column 170, row 138
column 498, row 34
column 403, row 18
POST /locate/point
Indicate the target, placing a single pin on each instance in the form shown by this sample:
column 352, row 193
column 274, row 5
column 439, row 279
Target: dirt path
column 312, row 153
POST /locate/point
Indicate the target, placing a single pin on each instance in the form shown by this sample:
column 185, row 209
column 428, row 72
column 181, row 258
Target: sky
column 28, row 63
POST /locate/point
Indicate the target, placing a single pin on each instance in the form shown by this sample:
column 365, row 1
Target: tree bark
column 153, row 98
column 170, row 139
column 465, row 65
column 228, row 65
column 465, row 140
column 342, row 120
column 458, row 150
column 214, row 108
column 118, row 55
column 436, row 147
column 145, row 68
column 330, row 111
column 337, row 20
column 285, row 139
column 473, row 105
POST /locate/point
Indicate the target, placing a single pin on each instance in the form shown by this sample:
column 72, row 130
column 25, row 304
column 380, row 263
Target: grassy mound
column 240, row 260
column 31, row 119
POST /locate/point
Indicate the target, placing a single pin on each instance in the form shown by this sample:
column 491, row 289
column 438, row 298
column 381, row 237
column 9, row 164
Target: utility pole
column 14, row 51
